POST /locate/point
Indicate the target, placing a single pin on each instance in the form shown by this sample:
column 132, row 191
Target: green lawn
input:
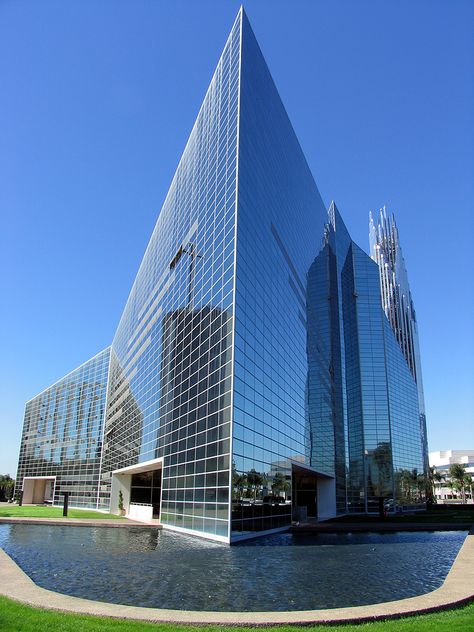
column 15, row 617
column 31, row 511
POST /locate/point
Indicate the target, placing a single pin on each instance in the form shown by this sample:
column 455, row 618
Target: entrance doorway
column 38, row 490
column 304, row 493
column 313, row 494
column 145, row 488
column 136, row 490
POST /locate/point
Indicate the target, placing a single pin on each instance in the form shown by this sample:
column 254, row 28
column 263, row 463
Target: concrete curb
column 457, row 589
column 79, row 522
column 375, row 527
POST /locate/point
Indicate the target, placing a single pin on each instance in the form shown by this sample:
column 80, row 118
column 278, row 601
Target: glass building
column 61, row 444
column 362, row 399
column 254, row 377
column 397, row 303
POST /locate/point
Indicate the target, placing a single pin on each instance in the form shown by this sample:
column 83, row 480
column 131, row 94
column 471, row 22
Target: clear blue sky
column 98, row 98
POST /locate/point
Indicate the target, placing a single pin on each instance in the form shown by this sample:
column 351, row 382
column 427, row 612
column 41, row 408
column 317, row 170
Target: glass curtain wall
column 281, row 220
column 407, row 440
column 397, row 301
column 370, row 454
column 62, row 434
column 171, row 371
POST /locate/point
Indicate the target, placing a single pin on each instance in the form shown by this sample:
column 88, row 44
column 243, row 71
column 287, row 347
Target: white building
column 441, row 461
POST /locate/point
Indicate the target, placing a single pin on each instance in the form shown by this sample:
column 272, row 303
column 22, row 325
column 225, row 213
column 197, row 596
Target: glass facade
column 398, row 305
column 408, row 441
column 326, row 394
column 254, row 377
column 171, row 370
column 362, row 399
column 368, row 411
column 281, row 217
column 61, row 445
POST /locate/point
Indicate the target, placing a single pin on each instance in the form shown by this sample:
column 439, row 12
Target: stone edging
column 376, row 527
column 457, row 589
column 79, row 522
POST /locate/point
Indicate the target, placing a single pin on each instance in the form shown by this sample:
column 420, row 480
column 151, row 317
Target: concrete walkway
column 457, row 589
column 308, row 528
column 80, row 522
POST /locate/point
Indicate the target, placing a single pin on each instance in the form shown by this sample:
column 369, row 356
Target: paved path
column 457, row 589
column 80, row 522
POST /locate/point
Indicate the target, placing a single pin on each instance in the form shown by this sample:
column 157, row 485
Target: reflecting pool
column 160, row 569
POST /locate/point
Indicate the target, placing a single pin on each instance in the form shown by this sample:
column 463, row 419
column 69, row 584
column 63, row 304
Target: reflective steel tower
column 397, row 301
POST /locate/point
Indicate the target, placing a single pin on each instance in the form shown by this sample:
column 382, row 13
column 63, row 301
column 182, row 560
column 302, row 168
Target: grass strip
column 17, row 617
column 31, row 511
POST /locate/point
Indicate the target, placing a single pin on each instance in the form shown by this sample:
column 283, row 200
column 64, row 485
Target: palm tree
column 239, row 483
column 407, row 482
column 280, row 484
column 436, row 477
column 423, row 488
column 255, row 480
column 458, row 474
column 452, row 487
column 468, row 483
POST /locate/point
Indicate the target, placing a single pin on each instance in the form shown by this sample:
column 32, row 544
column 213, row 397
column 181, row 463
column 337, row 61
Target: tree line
column 7, row 486
column 457, row 479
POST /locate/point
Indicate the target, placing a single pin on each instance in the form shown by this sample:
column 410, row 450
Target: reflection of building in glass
column 397, row 302
column 194, row 437
column 326, row 396
column 253, row 375
column 61, row 445
column 122, row 441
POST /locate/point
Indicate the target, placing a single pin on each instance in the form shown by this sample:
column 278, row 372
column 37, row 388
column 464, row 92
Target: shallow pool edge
column 456, row 590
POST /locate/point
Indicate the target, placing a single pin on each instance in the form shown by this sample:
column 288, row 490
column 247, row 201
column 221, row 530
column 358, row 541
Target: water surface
column 161, row 569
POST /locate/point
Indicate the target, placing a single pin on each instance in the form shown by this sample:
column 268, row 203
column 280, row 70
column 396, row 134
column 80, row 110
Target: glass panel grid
column 62, row 433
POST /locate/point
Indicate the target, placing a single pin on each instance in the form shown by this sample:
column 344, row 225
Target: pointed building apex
column 332, row 210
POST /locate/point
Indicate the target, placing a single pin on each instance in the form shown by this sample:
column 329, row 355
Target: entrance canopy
column 136, row 490
column 38, row 489
column 146, row 466
column 313, row 493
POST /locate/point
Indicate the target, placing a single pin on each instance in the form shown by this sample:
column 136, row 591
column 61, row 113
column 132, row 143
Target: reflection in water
column 152, row 568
